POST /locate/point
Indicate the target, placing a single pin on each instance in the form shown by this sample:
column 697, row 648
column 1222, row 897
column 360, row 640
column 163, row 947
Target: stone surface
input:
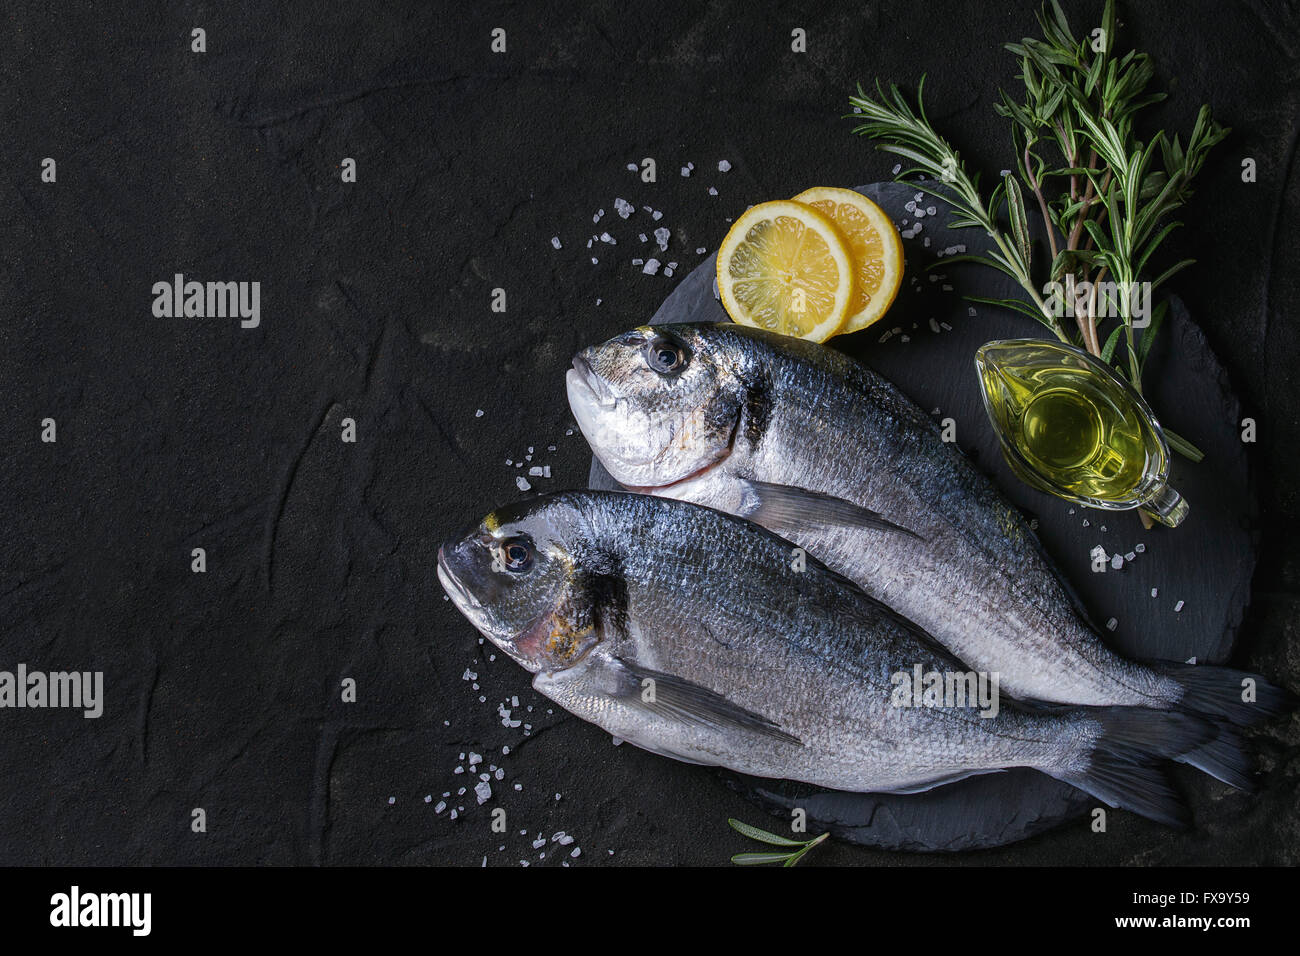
column 223, row 689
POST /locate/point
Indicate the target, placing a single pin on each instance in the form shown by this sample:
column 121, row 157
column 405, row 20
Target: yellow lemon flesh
column 784, row 266
column 873, row 244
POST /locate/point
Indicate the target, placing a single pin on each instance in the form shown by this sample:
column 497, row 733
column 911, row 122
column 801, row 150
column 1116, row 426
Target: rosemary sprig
column 1074, row 131
column 789, row 858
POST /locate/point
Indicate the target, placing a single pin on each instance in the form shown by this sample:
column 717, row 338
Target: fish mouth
column 454, row 587
column 583, row 380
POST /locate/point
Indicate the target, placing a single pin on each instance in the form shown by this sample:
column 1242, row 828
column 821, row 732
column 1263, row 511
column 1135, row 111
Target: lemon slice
column 785, row 267
column 874, row 245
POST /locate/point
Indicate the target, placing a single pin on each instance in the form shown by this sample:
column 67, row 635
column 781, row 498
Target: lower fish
column 805, row 441
column 708, row 639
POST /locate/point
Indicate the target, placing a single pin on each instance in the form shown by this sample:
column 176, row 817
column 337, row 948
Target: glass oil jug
column 1072, row 427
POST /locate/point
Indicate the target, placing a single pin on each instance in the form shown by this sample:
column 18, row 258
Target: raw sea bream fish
column 693, row 634
column 822, row 450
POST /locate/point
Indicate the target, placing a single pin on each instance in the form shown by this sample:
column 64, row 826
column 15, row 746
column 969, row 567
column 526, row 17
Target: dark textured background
column 223, row 688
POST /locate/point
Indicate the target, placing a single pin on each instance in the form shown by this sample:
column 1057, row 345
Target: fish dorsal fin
column 784, row 506
column 677, row 699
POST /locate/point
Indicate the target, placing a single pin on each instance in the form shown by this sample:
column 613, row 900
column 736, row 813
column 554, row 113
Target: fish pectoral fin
column 784, row 506
column 675, row 698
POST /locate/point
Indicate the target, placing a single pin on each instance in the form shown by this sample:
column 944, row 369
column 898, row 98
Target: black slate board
column 1207, row 562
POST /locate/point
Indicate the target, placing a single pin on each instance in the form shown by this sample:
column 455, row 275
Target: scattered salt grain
column 478, row 413
column 442, row 805
column 686, row 171
column 607, row 238
column 1140, row 548
column 656, row 215
column 522, row 483
column 555, row 242
column 1117, row 562
column 623, row 208
column 713, row 190
column 1112, row 624
column 483, row 792
column 651, row 267
column 1178, row 607
column 724, row 166
column 700, row 251
column 1155, row 591
column 661, row 237
column 631, row 167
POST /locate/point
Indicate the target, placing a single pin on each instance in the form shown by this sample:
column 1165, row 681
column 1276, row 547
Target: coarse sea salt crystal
column 661, row 237
column 724, row 166
column 656, row 215
column 1117, row 562
column 1178, row 607
column 555, row 242
column 713, row 190
column 700, row 251
column 1140, row 548
column 685, row 171
column 1155, row 591
column 478, row 413
column 606, row 237
column 651, row 267
column 623, row 208
column 1112, row 624
column 631, row 167
column 483, row 792
column 522, row 483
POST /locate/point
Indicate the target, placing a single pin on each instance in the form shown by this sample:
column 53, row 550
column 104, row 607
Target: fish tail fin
column 1225, row 758
column 1121, row 768
column 1239, row 697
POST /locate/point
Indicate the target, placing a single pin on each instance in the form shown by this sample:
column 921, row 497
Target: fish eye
column 664, row 357
column 515, row 554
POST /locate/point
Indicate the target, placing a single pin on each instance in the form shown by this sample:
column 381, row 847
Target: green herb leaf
column 754, row 833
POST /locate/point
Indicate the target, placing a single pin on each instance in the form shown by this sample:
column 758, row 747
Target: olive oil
column 1070, row 426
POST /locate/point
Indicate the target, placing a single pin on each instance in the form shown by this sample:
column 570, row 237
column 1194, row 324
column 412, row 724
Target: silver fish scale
column 802, row 649
column 978, row 582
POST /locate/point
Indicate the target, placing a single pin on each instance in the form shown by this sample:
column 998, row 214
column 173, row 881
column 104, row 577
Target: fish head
column 655, row 404
column 518, row 579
